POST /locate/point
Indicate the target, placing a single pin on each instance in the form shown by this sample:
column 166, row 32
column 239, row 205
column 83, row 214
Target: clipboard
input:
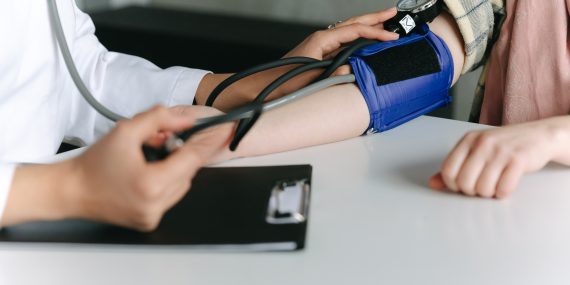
column 233, row 208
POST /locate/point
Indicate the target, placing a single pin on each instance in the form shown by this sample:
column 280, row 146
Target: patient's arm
column 446, row 28
column 332, row 115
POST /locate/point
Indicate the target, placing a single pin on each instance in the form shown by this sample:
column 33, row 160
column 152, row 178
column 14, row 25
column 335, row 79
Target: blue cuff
column 393, row 104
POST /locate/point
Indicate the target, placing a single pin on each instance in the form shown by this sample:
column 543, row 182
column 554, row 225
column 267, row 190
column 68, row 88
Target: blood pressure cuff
column 403, row 79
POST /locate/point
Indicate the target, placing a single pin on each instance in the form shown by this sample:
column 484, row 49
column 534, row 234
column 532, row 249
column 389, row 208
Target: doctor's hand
column 491, row 163
column 116, row 184
column 320, row 45
column 203, row 138
column 326, row 44
column 112, row 182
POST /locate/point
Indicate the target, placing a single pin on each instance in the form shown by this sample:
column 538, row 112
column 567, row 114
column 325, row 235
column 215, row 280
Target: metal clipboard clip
column 289, row 202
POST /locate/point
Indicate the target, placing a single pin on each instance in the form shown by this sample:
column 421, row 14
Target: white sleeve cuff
column 6, row 175
column 186, row 87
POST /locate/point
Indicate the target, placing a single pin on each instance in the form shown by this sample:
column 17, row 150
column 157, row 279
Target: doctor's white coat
column 39, row 104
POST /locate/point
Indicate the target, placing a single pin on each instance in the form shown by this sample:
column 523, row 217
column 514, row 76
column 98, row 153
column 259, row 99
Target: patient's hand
column 491, row 163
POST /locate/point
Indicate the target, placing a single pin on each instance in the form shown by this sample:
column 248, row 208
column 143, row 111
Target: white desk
column 373, row 221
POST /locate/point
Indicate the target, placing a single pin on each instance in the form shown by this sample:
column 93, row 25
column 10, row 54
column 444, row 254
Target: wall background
column 308, row 11
column 92, row 5
column 321, row 12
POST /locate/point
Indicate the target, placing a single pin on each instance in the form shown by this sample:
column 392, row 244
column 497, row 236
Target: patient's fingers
column 509, row 180
column 453, row 163
column 436, row 182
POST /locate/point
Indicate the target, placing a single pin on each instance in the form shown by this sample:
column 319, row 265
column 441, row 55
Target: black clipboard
column 242, row 208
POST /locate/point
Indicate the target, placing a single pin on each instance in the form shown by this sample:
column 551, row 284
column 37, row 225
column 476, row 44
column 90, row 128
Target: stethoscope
column 248, row 114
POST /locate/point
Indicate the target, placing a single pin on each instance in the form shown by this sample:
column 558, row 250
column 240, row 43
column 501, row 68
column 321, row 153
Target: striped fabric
column 479, row 22
column 476, row 21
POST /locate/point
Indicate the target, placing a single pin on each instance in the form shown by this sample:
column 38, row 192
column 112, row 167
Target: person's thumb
column 146, row 125
column 436, row 182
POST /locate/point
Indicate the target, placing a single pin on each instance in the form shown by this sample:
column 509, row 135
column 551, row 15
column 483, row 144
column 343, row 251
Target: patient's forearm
column 331, row 115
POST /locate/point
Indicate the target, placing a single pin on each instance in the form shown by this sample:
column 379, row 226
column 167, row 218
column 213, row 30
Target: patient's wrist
column 559, row 131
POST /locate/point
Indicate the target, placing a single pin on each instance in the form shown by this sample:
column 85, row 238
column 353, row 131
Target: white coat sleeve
column 125, row 84
column 6, row 175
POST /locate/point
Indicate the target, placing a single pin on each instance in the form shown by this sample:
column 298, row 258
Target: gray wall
column 93, row 5
column 463, row 95
column 311, row 11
